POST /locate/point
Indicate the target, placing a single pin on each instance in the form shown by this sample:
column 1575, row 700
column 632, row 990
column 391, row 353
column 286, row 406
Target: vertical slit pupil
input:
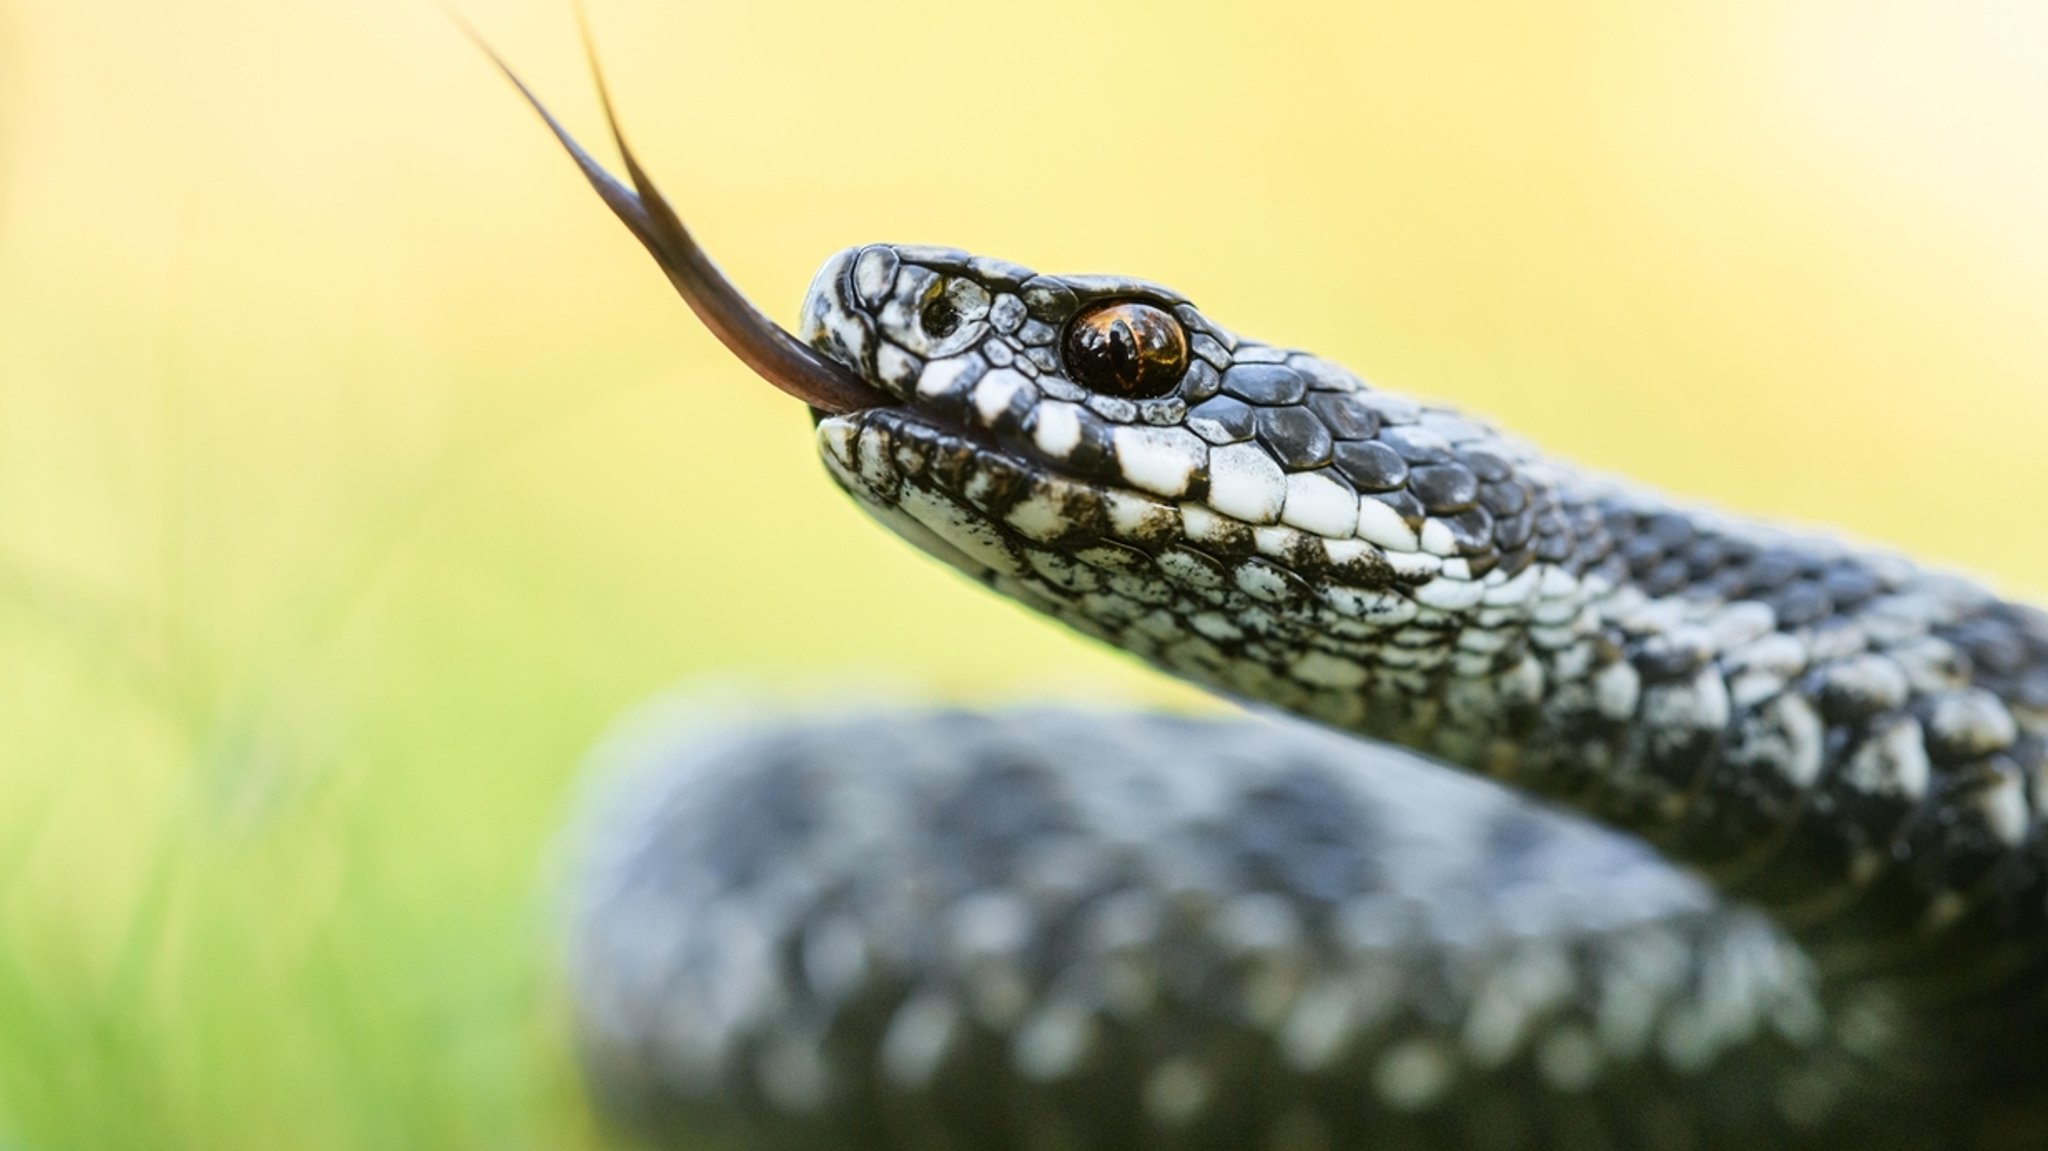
column 1124, row 363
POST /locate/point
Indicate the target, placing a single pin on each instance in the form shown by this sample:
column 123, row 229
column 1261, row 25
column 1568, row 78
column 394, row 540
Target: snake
column 1561, row 813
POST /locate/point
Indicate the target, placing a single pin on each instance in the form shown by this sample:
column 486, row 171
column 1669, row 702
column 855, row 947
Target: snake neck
column 1832, row 733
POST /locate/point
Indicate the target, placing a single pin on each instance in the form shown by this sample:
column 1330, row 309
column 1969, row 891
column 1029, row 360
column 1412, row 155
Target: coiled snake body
column 1078, row 930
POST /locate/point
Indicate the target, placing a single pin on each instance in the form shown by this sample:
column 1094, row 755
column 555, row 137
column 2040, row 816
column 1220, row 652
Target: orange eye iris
column 1127, row 349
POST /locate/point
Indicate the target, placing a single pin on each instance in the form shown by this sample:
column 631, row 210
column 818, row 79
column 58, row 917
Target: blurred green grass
column 355, row 471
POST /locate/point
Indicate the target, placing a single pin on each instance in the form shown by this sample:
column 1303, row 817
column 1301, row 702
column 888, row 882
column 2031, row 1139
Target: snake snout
column 887, row 315
column 832, row 321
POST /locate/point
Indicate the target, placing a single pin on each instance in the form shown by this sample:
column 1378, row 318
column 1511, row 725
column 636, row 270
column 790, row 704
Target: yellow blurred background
column 356, row 468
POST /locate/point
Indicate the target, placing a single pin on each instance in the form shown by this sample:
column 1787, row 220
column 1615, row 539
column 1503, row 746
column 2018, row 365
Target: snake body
column 1104, row 930
column 921, row 930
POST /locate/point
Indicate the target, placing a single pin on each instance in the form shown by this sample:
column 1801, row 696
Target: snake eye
column 1126, row 348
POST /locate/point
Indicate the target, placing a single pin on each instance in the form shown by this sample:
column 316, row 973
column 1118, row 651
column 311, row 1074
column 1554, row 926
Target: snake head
column 1086, row 411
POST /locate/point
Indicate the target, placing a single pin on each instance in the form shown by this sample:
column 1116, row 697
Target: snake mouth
column 951, row 490
column 759, row 342
column 954, row 455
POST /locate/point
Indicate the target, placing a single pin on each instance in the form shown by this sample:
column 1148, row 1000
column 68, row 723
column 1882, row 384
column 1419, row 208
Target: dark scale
column 1707, row 554
column 1270, row 385
column 1850, row 584
column 1608, row 567
column 2007, row 647
column 1490, row 468
column 1296, row 438
column 1642, row 550
column 1346, row 418
column 1201, row 382
column 1210, row 351
column 1663, row 576
column 1668, row 529
column 1371, row 466
column 1644, row 540
column 1771, row 570
column 1048, row 300
column 1554, row 541
column 1512, row 532
column 1553, row 537
column 1733, row 578
column 1514, row 560
column 1444, row 488
column 1588, row 527
column 1222, row 420
column 1800, row 603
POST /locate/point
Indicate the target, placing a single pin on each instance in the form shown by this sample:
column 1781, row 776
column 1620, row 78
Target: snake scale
column 1742, row 846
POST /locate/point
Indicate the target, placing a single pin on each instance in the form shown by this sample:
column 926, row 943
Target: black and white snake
column 1067, row 929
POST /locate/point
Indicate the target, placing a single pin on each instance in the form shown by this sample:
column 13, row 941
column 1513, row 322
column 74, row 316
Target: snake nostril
column 940, row 317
